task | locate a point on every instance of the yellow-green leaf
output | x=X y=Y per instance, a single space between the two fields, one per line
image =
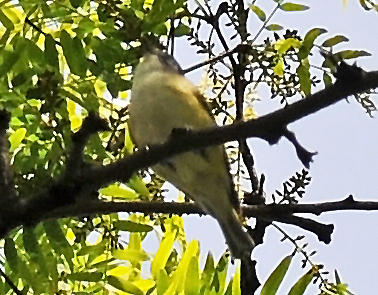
x=132 y=255
x=119 y=191
x=284 y=45
x=16 y=138
x=278 y=68
x=163 y=253
x=236 y=282
x=162 y=282
x=192 y=278
x=274 y=281
x=293 y=7
x=191 y=251
x=258 y=11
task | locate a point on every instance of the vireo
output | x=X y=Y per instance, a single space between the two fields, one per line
x=162 y=99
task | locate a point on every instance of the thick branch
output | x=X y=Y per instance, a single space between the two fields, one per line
x=270 y=127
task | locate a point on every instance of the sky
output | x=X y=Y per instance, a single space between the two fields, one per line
x=346 y=140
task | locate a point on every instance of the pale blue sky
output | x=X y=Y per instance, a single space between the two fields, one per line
x=347 y=142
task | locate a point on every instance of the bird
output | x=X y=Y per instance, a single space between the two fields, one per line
x=163 y=100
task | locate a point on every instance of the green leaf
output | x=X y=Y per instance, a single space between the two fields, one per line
x=10 y=253
x=192 y=278
x=293 y=7
x=182 y=30
x=301 y=285
x=76 y=3
x=348 y=54
x=16 y=138
x=163 y=253
x=137 y=184
x=208 y=271
x=119 y=191
x=58 y=240
x=85 y=276
x=92 y=250
x=258 y=11
x=7 y=23
x=124 y=285
x=334 y=40
x=9 y=59
x=308 y=42
x=303 y=72
x=51 y=54
x=274 y=281
x=130 y=226
x=274 y=27
x=32 y=248
x=74 y=54
x=327 y=79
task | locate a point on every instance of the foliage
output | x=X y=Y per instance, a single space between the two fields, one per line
x=61 y=60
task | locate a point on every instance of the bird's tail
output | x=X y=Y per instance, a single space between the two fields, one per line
x=239 y=241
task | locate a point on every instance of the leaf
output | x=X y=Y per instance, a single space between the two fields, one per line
x=301 y=285
x=278 y=68
x=258 y=11
x=163 y=253
x=76 y=3
x=130 y=226
x=182 y=30
x=51 y=53
x=32 y=248
x=74 y=54
x=334 y=40
x=180 y=274
x=192 y=278
x=236 y=282
x=283 y=45
x=7 y=23
x=120 y=191
x=308 y=42
x=58 y=240
x=124 y=285
x=327 y=79
x=10 y=253
x=274 y=281
x=137 y=183
x=16 y=138
x=303 y=72
x=348 y=54
x=293 y=7
x=274 y=27
x=162 y=282
x=85 y=276
x=132 y=255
